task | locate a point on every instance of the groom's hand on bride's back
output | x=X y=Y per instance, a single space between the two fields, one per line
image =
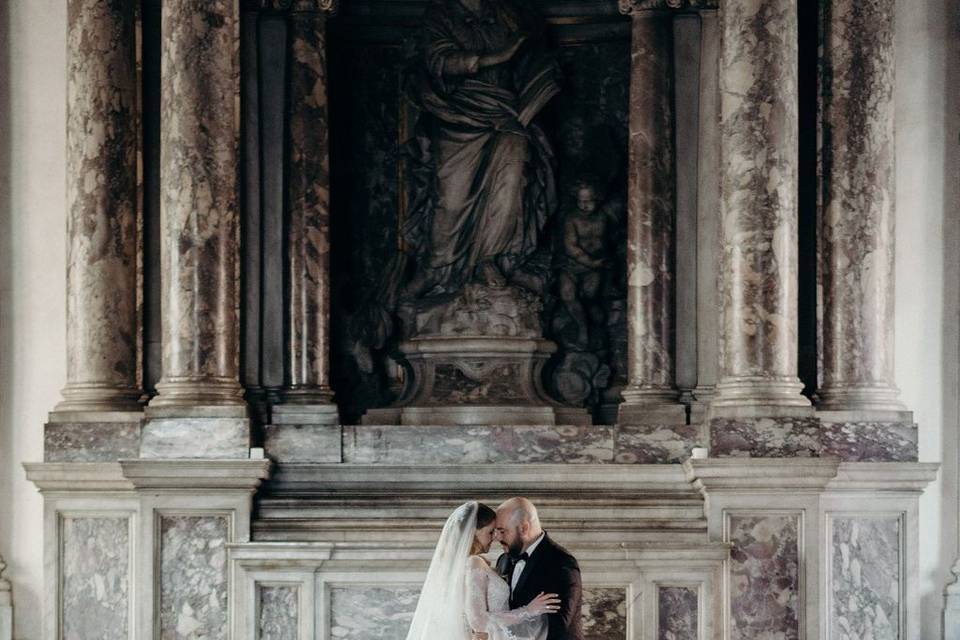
x=479 y=635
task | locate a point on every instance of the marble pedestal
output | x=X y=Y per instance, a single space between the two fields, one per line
x=216 y=432
x=476 y=380
x=951 y=607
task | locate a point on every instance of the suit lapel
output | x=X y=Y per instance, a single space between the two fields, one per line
x=531 y=564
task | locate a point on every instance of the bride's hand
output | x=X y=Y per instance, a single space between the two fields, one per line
x=544 y=603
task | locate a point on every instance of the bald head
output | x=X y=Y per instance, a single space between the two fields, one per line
x=518 y=524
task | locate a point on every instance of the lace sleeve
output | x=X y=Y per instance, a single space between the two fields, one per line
x=479 y=616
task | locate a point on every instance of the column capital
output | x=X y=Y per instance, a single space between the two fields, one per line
x=301 y=6
x=641 y=7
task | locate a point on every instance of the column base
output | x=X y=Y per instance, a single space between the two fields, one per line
x=857 y=398
x=203 y=391
x=651 y=405
x=174 y=432
x=99 y=397
x=759 y=397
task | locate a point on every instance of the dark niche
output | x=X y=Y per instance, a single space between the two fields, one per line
x=576 y=272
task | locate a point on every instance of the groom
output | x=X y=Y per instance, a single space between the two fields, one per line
x=533 y=563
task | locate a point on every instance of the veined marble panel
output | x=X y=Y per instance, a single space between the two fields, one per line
x=193 y=577
x=865 y=578
x=479 y=444
x=279 y=613
x=765 y=437
x=195 y=438
x=365 y=612
x=95 y=599
x=764 y=576
x=604 y=613
x=90 y=441
x=677 y=613
x=870 y=441
x=656 y=444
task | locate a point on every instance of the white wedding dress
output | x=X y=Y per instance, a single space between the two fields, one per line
x=488 y=607
x=462 y=593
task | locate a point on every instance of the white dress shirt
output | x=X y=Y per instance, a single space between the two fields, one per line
x=518 y=569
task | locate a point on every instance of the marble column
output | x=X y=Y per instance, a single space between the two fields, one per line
x=857 y=223
x=758 y=279
x=200 y=220
x=102 y=142
x=651 y=394
x=308 y=188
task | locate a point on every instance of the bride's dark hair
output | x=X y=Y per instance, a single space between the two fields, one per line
x=485 y=515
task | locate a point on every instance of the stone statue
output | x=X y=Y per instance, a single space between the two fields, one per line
x=488 y=188
x=580 y=272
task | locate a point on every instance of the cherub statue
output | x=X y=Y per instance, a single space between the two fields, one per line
x=581 y=268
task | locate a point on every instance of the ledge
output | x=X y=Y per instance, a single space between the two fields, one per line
x=909 y=477
x=761 y=475
x=76 y=477
x=196 y=474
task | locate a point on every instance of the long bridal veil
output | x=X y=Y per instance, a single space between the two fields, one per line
x=441 y=610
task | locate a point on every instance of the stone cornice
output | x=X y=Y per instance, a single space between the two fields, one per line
x=300 y=6
x=230 y=475
x=634 y=7
x=761 y=475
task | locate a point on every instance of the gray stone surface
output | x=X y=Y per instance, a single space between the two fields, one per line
x=302 y=442
x=279 y=613
x=195 y=438
x=95 y=563
x=366 y=612
x=193 y=577
x=90 y=441
x=865 y=578
x=477 y=444
x=678 y=613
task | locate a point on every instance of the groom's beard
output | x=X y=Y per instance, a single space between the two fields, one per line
x=515 y=548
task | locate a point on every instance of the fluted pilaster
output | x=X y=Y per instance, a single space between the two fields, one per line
x=102 y=142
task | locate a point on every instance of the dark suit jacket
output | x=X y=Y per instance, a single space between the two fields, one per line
x=551 y=569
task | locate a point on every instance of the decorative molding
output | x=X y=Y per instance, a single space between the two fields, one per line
x=634 y=7
x=243 y=475
x=908 y=477
x=76 y=477
x=761 y=475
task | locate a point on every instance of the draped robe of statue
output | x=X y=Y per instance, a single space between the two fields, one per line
x=492 y=181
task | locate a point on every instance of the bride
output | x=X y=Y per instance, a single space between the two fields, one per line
x=464 y=597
